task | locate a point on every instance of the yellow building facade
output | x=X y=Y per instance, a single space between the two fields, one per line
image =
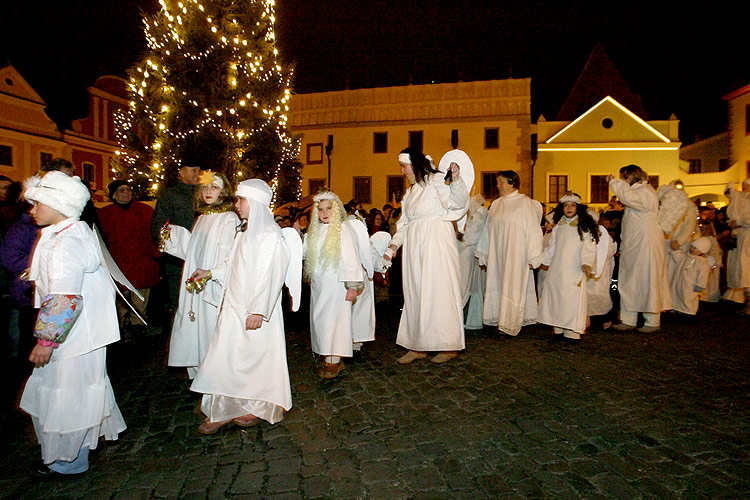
x=577 y=155
x=367 y=128
x=739 y=130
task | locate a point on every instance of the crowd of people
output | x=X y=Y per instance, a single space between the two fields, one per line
x=226 y=260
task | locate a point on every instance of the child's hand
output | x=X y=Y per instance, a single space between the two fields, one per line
x=351 y=295
x=543 y=267
x=40 y=355
x=200 y=274
x=609 y=178
x=253 y=322
x=586 y=270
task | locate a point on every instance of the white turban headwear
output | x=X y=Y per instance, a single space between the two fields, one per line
x=255 y=189
x=703 y=244
x=59 y=191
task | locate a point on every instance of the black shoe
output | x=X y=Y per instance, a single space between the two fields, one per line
x=41 y=471
x=570 y=341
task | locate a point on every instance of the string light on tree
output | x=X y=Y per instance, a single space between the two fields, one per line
x=211 y=86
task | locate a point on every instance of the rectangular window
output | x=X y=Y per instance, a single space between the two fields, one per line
x=88 y=172
x=396 y=188
x=695 y=167
x=491 y=138
x=599 y=189
x=723 y=164
x=315 y=185
x=315 y=153
x=558 y=184
x=416 y=139
x=654 y=181
x=454 y=138
x=380 y=142
x=44 y=159
x=747 y=119
x=6 y=155
x=363 y=190
x=489 y=185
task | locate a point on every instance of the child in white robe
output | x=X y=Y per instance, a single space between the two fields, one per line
x=204 y=247
x=69 y=395
x=334 y=268
x=473 y=277
x=690 y=278
x=570 y=258
x=598 y=290
x=244 y=376
x=714 y=257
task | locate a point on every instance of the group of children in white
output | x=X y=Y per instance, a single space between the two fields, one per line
x=229 y=330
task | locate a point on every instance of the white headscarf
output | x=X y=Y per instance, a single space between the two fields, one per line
x=59 y=191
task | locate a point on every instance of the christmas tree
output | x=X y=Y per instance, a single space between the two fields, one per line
x=211 y=91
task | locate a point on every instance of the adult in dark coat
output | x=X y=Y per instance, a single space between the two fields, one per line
x=126 y=229
x=176 y=206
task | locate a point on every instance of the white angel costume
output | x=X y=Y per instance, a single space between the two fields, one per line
x=678 y=219
x=245 y=371
x=363 y=309
x=642 y=279
x=334 y=267
x=510 y=244
x=473 y=277
x=432 y=318
x=205 y=247
x=70 y=399
x=714 y=257
x=598 y=288
x=690 y=278
x=564 y=298
x=738 y=258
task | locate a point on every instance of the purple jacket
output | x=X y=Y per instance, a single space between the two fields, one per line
x=15 y=252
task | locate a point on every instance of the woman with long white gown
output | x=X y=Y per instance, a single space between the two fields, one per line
x=738 y=258
x=511 y=248
x=642 y=280
x=203 y=247
x=432 y=318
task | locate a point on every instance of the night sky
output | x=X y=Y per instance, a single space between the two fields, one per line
x=680 y=61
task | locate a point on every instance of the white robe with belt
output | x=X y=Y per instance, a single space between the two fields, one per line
x=432 y=318
x=511 y=243
x=245 y=371
x=563 y=302
x=70 y=399
x=205 y=247
x=642 y=279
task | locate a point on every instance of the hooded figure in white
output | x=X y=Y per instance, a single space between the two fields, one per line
x=690 y=278
x=244 y=376
x=738 y=259
x=69 y=395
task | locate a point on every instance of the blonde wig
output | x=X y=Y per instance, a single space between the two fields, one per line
x=330 y=254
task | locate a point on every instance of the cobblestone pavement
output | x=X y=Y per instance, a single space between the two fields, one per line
x=623 y=416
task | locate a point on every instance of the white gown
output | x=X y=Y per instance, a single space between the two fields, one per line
x=205 y=247
x=642 y=279
x=363 y=309
x=598 y=290
x=245 y=371
x=432 y=318
x=512 y=242
x=473 y=278
x=70 y=399
x=713 y=293
x=564 y=297
x=738 y=259
x=330 y=312
x=690 y=271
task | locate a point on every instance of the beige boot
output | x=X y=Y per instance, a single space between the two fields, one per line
x=442 y=357
x=411 y=356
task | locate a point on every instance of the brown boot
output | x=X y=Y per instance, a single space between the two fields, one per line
x=330 y=370
x=208 y=427
x=248 y=420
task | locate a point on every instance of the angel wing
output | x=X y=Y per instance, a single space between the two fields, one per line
x=363 y=242
x=293 y=279
x=114 y=273
x=467 y=174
